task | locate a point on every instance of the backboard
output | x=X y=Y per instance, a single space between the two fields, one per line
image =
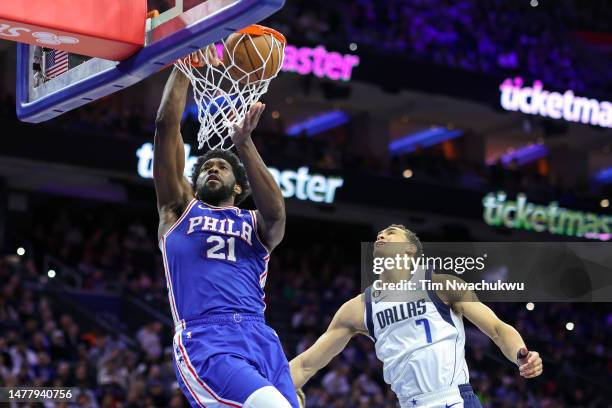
x=181 y=27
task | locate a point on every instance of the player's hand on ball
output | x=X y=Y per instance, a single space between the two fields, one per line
x=207 y=55
x=530 y=363
x=243 y=131
x=301 y=398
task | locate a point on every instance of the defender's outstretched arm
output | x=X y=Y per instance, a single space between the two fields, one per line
x=503 y=335
x=266 y=193
x=347 y=322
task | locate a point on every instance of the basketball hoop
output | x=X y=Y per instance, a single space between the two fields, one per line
x=252 y=57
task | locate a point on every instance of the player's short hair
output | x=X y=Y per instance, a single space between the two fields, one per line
x=237 y=168
x=412 y=238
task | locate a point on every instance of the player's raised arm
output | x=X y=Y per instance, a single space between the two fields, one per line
x=505 y=336
x=173 y=190
x=266 y=193
x=347 y=322
x=169 y=151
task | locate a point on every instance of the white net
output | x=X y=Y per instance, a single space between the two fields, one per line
x=224 y=91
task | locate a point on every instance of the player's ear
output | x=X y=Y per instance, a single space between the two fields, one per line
x=237 y=189
x=411 y=249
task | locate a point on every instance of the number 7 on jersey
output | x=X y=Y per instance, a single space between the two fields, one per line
x=425 y=323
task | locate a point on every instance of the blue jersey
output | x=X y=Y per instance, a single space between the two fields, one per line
x=214 y=262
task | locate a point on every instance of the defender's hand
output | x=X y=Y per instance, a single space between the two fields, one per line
x=529 y=362
x=243 y=132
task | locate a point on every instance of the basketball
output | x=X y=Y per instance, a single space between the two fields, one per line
x=253 y=55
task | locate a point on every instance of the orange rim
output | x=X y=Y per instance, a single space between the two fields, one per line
x=256 y=29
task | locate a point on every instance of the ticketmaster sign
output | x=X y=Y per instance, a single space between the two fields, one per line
x=500 y=211
x=299 y=184
x=535 y=100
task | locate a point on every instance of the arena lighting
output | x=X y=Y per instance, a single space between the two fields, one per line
x=524 y=155
x=51 y=273
x=299 y=183
x=605 y=203
x=569 y=326
x=20 y=251
x=318 y=124
x=530 y=306
x=424 y=138
x=604 y=176
x=534 y=100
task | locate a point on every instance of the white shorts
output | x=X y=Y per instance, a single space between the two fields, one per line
x=461 y=396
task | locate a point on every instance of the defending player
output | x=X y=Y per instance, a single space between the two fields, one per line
x=215 y=258
x=420 y=339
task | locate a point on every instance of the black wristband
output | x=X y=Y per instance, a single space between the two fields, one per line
x=519 y=357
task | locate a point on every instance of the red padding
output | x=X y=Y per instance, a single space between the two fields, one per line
x=109 y=29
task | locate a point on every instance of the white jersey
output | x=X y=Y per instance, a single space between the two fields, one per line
x=419 y=339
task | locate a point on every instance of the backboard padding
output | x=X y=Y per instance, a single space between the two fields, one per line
x=200 y=23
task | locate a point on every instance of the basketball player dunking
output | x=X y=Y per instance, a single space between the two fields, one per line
x=419 y=337
x=215 y=258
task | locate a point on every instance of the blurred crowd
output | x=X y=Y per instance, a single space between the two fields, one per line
x=336 y=151
x=493 y=37
x=432 y=167
x=107 y=117
x=44 y=344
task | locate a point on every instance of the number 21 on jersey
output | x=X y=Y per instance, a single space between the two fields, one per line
x=221 y=248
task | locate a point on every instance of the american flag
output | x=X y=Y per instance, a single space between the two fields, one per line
x=56 y=63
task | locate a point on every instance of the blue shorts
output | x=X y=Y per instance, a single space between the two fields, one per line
x=220 y=360
x=470 y=400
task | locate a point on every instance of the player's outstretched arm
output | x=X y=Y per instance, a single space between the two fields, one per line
x=169 y=151
x=347 y=322
x=266 y=193
x=505 y=336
